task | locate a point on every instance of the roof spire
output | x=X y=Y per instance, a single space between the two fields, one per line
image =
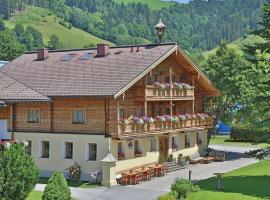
x=160 y=28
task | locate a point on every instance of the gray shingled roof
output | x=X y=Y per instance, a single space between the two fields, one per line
x=12 y=90
x=103 y=76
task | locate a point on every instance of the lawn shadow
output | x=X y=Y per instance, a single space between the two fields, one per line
x=229 y=140
x=256 y=186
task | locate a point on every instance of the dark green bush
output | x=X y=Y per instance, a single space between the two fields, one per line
x=18 y=172
x=170 y=158
x=250 y=134
x=181 y=188
x=57 y=188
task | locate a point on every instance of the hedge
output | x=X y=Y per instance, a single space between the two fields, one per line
x=250 y=134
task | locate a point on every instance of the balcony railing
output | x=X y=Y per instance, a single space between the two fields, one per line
x=154 y=92
x=118 y=129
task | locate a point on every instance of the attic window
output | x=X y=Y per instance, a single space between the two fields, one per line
x=118 y=52
x=86 y=56
x=68 y=56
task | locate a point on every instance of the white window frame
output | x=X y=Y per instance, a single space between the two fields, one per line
x=28 y=115
x=79 y=109
x=64 y=152
x=41 y=149
x=87 y=152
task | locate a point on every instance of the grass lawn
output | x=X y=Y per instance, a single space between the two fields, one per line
x=35 y=195
x=73 y=184
x=247 y=183
x=225 y=140
x=154 y=4
x=47 y=23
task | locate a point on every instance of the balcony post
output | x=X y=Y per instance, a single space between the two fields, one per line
x=193 y=107
x=145 y=107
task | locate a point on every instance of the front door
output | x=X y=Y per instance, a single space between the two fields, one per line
x=163 y=147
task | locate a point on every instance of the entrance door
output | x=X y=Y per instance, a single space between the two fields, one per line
x=163 y=147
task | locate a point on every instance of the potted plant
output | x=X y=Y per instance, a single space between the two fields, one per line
x=187 y=159
x=149 y=121
x=170 y=158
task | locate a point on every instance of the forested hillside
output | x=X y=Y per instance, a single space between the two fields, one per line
x=198 y=25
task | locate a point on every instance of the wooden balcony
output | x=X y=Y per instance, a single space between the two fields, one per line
x=154 y=93
x=120 y=131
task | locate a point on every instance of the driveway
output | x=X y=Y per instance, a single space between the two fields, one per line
x=152 y=189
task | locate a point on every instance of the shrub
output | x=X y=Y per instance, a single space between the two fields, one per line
x=18 y=173
x=181 y=188
x=57 y=188
x=170 y=158
x=168 y=196
x=250 y=134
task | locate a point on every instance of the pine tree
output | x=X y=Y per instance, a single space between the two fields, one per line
x=264 y=33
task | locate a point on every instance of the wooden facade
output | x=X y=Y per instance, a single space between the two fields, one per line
x=103 y=114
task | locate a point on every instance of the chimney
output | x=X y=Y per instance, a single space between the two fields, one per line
x=42 y=54
x=102 y=50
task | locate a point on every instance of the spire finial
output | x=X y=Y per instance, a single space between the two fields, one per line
x=160 y=28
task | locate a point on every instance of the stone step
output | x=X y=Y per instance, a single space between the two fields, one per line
x=171 y=166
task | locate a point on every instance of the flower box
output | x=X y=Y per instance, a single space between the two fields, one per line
x=187 y=145
x=138 y=154
x=121 y=156
x=174 y=147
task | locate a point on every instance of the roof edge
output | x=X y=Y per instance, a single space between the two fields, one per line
x=152 y=66
x=111 y=47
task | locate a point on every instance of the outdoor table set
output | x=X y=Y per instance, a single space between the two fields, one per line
x=144 y=173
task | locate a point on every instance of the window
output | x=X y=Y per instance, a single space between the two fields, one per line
x=92 y=151
x=153 y=144
x=68 y=150
x=137 y=148
x=167 y=79
x=121 y=154
x=157 y=111
x=33 y=116
x=174 y=143
x=198 y=139
x=173 y=79
x=45 y=149
x=182 y=110
x=187 y=141
x=78 y=116
x=138 y=112
x=168 y=111
x=182 y=78
x=28 y=147
x=122 y=113
x=152 y=79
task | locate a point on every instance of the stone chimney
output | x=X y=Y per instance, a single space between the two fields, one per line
x=42 y=54
x=102 y=50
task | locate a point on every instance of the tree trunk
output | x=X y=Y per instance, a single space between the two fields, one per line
x=211 y=130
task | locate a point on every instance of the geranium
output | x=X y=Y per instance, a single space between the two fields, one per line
x=138 y=120
x=176 y=120
x=188 y=116
x=121 y=154
x=125 y=122
x=160 y=85
x=168 y=85
x=161 y=118
x=148 y=120
x=182 y=117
